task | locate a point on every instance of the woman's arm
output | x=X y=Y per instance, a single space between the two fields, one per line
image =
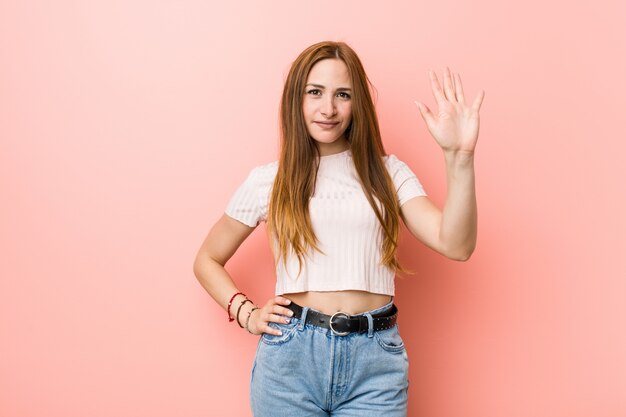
x=455 y=128
x=451 y=233
x=223 y=240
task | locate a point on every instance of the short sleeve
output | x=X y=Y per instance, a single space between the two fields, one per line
x=406 y=182
x=245 y=204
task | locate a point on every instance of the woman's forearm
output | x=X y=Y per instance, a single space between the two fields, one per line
x=459 y=217
x=221 y=287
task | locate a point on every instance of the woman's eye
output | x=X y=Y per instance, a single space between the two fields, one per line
x=317 y=92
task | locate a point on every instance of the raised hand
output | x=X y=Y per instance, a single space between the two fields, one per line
x=455 y=126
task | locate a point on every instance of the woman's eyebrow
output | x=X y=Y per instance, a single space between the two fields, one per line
x=322 y=87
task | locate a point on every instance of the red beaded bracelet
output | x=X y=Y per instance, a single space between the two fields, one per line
x=229 y=304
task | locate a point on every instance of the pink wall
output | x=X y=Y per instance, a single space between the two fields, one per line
x=123 y=127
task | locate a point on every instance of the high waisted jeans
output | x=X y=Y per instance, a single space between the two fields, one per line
x=311 y=371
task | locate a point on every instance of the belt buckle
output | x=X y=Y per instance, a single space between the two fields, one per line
x=330 y=323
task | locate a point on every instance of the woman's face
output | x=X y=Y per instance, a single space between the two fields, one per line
x=327 y=105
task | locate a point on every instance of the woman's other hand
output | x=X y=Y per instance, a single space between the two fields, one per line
x=274 y=311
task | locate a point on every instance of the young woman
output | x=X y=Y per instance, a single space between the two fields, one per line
x=330 y=341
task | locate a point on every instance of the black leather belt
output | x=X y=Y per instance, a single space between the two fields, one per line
x=342 y=324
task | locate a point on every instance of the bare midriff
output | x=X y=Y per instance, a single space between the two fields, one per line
x=349 y=301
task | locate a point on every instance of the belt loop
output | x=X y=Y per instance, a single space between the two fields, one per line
x=305 y=310
x=370 y=324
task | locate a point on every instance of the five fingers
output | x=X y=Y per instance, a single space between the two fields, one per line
x=452 y=89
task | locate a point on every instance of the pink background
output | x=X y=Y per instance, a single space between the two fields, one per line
x=125 y=127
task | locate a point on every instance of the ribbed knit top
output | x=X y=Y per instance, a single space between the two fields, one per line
x=345 y=224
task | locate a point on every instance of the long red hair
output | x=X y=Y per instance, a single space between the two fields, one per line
x=288 y=213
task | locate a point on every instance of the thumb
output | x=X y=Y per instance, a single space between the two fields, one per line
x=424 y=111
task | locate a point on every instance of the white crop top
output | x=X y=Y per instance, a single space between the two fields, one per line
x=348 y=231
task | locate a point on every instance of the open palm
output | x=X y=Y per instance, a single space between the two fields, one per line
x=455 y=126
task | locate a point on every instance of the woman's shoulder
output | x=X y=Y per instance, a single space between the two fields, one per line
x=398 y=169
x=392 y=161
x=390 y=157
x=264 y=173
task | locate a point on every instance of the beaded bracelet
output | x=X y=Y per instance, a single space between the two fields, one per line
x=239 y=309
x=248 y=319
x=230 y=302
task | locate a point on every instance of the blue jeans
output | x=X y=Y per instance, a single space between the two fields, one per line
x=311 y=371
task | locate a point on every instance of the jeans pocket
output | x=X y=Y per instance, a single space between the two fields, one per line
x=390 y=339
x=288 y=330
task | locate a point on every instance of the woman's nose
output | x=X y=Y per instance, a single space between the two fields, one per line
x=328 y=107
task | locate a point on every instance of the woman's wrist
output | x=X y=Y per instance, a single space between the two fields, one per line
x=244 y=312
x=247 y=323
x=458 y=155
x=234 y=301
x=238 y=314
